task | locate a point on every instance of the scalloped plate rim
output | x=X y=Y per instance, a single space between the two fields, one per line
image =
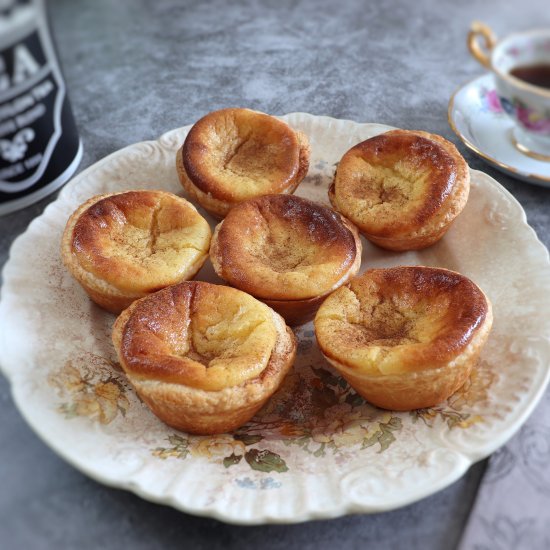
x=459 y=468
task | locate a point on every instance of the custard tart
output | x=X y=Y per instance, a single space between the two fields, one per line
x=203 y=357
x=403 y=189
x=233 y=155
x=123 y=246
x=287 y=251
x=405 y=337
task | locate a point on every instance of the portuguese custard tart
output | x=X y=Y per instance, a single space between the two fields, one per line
x=407 y=337
x=287 y=251
x=402 y=189
x=203 y=357
x=123 y=246
x=233 y=155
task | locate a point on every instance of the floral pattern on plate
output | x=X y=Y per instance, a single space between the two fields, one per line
x=316 y=450
x=314 y=410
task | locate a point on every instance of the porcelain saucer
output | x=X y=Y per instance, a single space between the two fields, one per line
x=478 y=119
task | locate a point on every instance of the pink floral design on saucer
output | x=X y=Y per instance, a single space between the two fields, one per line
x=532 y=120
x=529 y=118
x=491 y=102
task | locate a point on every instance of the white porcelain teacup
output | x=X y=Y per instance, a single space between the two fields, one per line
x=526 y=103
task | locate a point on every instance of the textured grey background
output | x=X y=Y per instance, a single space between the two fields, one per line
x=136 y=69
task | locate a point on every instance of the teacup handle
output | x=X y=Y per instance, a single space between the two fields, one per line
x=479 y=31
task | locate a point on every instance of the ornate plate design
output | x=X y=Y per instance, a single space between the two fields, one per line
x=317 y=450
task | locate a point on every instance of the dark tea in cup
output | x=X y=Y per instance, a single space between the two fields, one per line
x=538 y=75
x=521 y=67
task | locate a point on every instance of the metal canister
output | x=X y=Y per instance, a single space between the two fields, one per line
x=39 y=144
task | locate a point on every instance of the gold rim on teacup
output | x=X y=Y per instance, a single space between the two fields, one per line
x=479 y=32
x=527 y=104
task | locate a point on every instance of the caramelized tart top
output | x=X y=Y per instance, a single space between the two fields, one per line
x=402 y=319
x=235 y=154
x=284 y=247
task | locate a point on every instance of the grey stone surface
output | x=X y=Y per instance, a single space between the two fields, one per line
x=136 y=69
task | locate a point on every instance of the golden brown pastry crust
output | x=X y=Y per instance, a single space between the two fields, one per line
x=287 y=251
x=405 y=337
x=299 y=312
x=403 y=188
x=203 y=357
x=123 y=246
x=232 y=155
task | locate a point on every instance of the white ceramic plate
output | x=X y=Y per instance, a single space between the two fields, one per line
x=316 y=450
x=477 y=117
